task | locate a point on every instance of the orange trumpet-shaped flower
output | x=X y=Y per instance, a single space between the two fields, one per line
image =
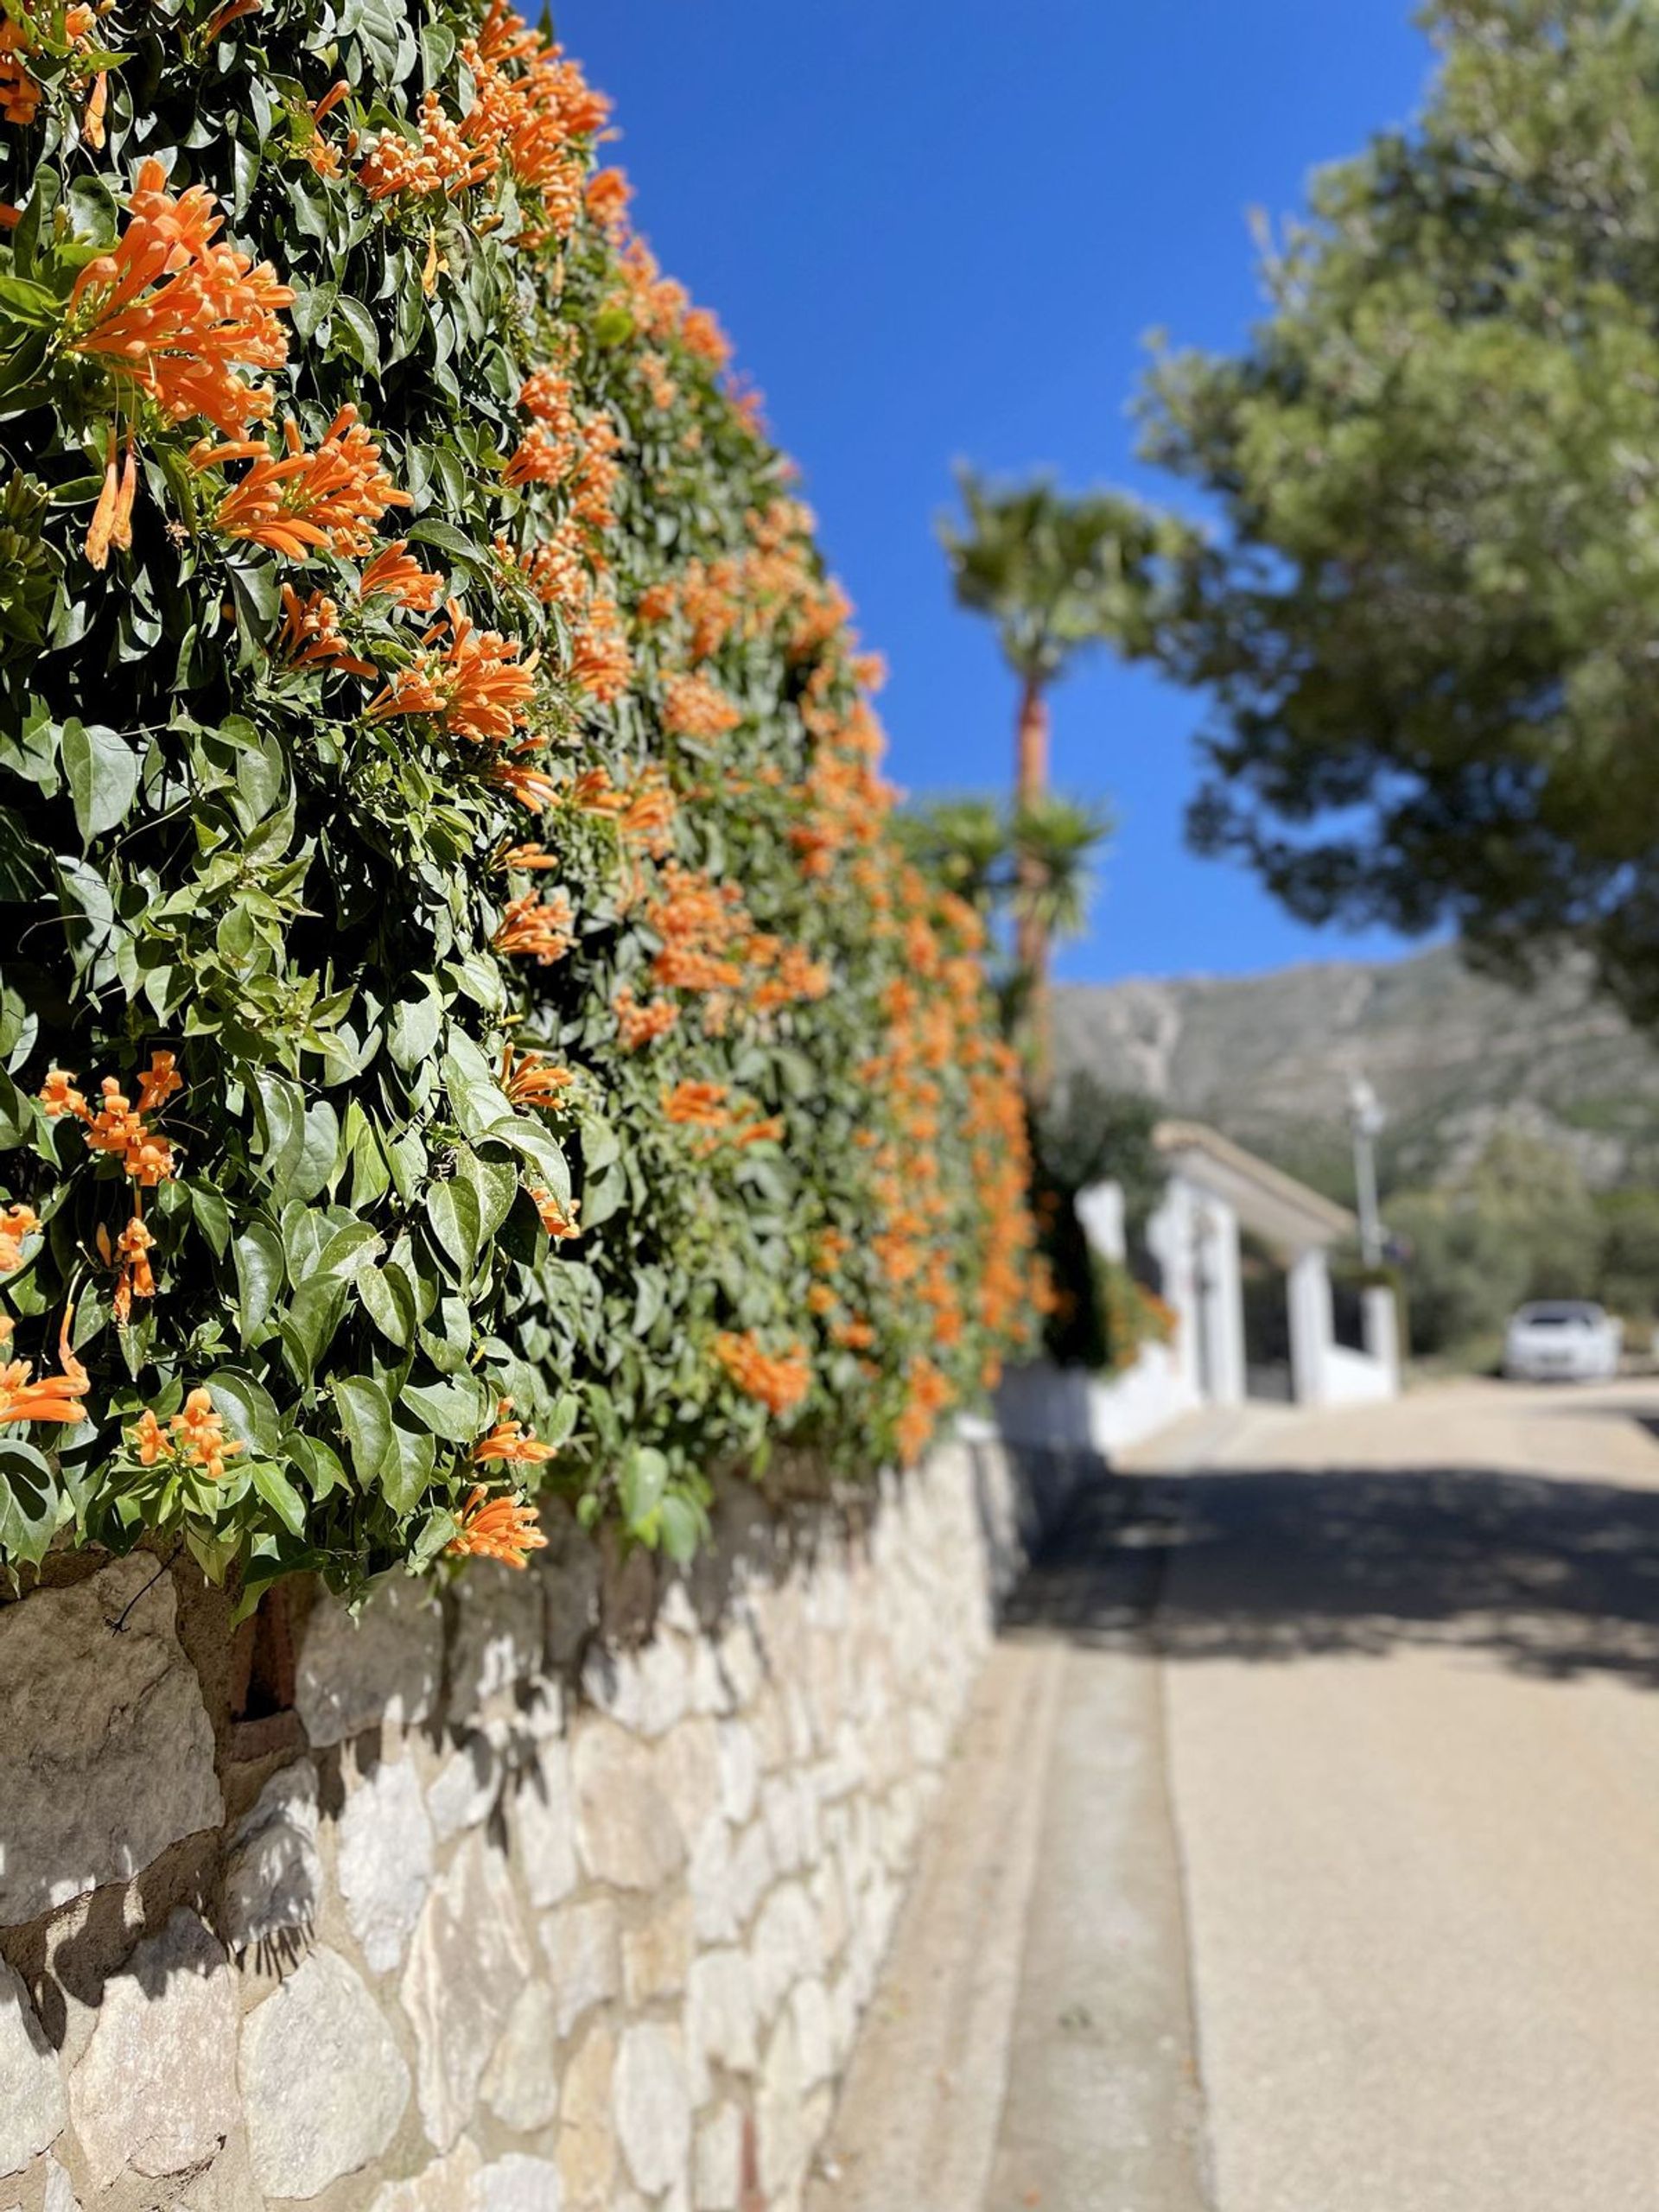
x=158 y=1082
x=697 y=1105
x=477 y=687
x=693 y=707
x=637 y=1025
x=310 y=635
x=299 y=501
x=119 y=1128
x=439 y=159
x=496 y=1527
x=533 y=788
x=395 y=572
x=102 y=529
x=607 y=196
x=528 y=857
x=232 y=11
x=528 y=1081
x=559 y=1222
x=779 y=1381
x=536 y=928
x=53 y=1397
x=59 y=1096
x=511 y=1441
x=178 y=314
x=16 y=1222
x=196 y=1435
x=129 y=1254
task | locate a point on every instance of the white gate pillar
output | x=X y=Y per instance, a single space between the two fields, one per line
x=1308 y=1291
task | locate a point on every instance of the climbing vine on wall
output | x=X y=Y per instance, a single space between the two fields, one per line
x=466 y=1029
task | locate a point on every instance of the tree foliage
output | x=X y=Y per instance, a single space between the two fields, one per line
x=453 y=947
x=1428 y=618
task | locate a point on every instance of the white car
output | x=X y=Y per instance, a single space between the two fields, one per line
x=1562 y=1339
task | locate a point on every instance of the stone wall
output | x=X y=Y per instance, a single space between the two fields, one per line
x=563 y=1891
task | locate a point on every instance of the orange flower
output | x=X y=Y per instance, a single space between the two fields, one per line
x=200 y=1435
x=196 y=1435
x=700 y=1105
x=148 y=1440
x=701 y=333
x=528 y=856
x=232 y=11
x=476 y=686
x=693 y=707
x=158 y=1082
x=600 y=664
x=607 y=197
x=16 y=1222
x=533 y=788
x=496 y=1527
x=296 y=502
x=558 y=1220
x=310 y=635
x=698 y=924
x=438 y=158
x=59 y=1096
x=528 y=1081
x=53 y=1397
x=129 y=1254
x=511 y=1441
x=541 y=929
x=637 y=1024
x=779 y=1381
x=770 y=1131
x=395 y=574
x=119 y=1128
x=178 y=315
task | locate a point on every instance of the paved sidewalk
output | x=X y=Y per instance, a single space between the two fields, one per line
x=1307 y=1857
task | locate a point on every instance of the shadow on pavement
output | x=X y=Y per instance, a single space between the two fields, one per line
x=1555 y=1579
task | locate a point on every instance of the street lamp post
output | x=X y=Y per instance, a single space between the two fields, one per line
x=1366 y=1118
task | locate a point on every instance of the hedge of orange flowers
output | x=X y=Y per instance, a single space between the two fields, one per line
x=467 y=1029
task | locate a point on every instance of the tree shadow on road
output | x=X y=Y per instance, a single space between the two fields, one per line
x=1555 y=1579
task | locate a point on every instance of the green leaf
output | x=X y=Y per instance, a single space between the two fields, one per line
x=413 y=1025
x=451 y=1210
x=211 y=1215
x=366 y=1416
x=30 y=1505
x=644 y=1480
x=249 y=1410
x=456 y=1411
x=409 y=1468
x=280 y=1494
x=389 y=1300
x=102 y=771
x=28 y=303
x=355 y=334
x=493 y=1183
x=258 y=1253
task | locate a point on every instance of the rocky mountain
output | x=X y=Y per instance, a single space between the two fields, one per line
x=1269 y=1058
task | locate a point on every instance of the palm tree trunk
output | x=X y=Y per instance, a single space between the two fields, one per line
x=1031 y=938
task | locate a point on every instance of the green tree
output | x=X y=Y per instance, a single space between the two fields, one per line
x=1024 y=868
x=1056 y=575
x=1427 y=617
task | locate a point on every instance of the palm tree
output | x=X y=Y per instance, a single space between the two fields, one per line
x=1030 y=863
x=1056 y=575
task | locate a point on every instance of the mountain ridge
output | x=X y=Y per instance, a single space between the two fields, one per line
x=1453 y=1056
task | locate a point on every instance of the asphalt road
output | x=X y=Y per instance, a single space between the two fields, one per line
x=1410 y=1662
x=1338 y=1885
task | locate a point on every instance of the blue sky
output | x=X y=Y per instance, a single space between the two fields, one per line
x=939 y=228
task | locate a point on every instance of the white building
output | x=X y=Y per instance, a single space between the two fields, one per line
x=1215 y=1193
